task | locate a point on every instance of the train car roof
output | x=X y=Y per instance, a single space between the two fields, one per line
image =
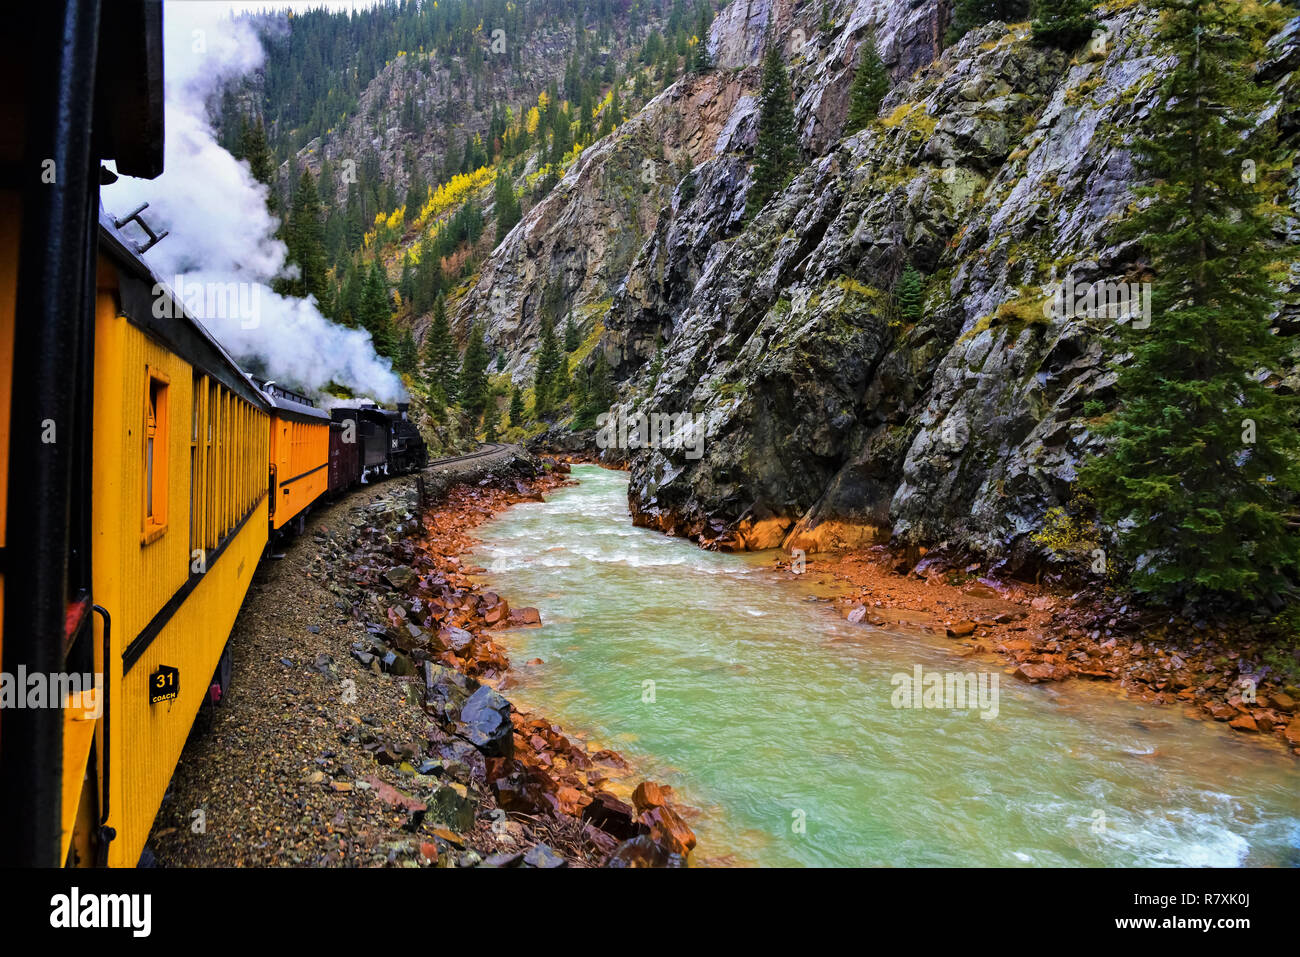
x=291 y=409
x=144 y=296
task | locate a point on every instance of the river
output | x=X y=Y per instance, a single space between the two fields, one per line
x=782 y=723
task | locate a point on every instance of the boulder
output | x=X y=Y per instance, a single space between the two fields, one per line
x=485 y=723
x=610 y=815
x=642 y=851
x=399 y=576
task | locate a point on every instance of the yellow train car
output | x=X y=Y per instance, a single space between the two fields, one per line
x=84 y=85
x=299 y=455
x=179 y=517
x=142 y=472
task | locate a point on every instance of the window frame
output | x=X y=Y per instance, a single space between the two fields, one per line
x=155 y=462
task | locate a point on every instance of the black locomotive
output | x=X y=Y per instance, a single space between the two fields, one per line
x=367 y=442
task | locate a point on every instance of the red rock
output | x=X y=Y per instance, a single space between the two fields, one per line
x=1220 y=710
x=529 y=616
x=669 y=830
x=1292 y=734
x=390 y=795
x=1037 y=671
x=1243 y=723
x=648 y=795
x=612 y=758
x=961 y=629
x=1282 y=701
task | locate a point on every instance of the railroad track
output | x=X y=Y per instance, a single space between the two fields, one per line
x=490 y=449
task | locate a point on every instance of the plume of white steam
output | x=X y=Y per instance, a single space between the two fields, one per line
x=221 y=232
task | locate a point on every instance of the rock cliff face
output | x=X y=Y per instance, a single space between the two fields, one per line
x=453 y=106
x=589 y=228
x=996 y=169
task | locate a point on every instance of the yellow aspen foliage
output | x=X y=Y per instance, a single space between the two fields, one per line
x=455 y=191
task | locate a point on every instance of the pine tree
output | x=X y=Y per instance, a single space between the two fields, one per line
x=507 y=205
x=304 y=238
x=561 y=383
x=516 y=408
x=404 y=354
x=969 y=14
x=777 y=148
x=253 y=149
x=1202 y=456
x=870 y=84
x=599 y=393
x=376 y=310
x=549 y=359
x=406 y=284
x=490 y=415
x=700 y=61
x=473 y=374
x=1064 y=23
x=440 y=358
x=416 y=194
x=572 y=337
x=909 y=295
x=428 y=276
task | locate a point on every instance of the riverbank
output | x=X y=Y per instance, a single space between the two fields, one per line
x=1213 y=669
x=363 y=728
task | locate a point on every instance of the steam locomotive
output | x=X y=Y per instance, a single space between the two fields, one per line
x=368 y=442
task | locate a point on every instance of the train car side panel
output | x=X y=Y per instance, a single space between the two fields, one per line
x=170 y=445
x=345 y=456
x=300 y=454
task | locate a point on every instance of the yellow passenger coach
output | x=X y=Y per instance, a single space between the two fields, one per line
x=142 y=472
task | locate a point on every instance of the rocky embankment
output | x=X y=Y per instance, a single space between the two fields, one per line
x=364 y=728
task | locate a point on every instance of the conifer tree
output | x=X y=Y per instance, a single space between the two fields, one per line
x=304 y=237
x=549 y=359
x=700 y=61
x=376 y=310
x=870 y=84
x=598 y=394
x=404 y=353
x=473 y=374
x=909 y=294
x=1201 y=466
x=253 y=148
x=572 y=337
x=440 y=356
x=406 y=284
x=969 y=14
x=777 y=148
x=428 y=275
x=516 y=408
x=507 y=205
x=1064 y=23
x=416 y=194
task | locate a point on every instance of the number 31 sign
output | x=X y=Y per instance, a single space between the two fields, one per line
x=164 y=684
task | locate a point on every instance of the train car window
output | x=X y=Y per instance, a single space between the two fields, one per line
x=155 y=456
x=196 y=461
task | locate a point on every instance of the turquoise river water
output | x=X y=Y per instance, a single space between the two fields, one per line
x=775 y=719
